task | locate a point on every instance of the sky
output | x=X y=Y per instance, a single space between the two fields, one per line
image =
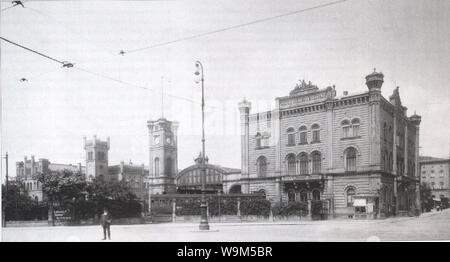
x=48 y=115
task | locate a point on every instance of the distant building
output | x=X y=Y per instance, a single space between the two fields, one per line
x=135 y=175
x=435 y=172
x=357 y=152
x=96 y=158
x=97 y=166
x=27 y=171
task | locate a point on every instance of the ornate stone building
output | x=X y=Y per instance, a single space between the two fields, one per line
x=163 y=162
x=358 y=152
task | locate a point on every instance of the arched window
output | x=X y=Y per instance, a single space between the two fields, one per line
x=349 y=196
x=316 y=162
x=261 y=166
x=303 y=158
x=355 y=127
x=315 y=133
x=291 y=196
x=156 y=167
x=303 y=135
x=291 y=136
x=350 y=159
x=316 y=194
x=258 y=140
x=384 y=132
x=303 y=196
x=345 y=128
x=290 y=159
x=169 y=167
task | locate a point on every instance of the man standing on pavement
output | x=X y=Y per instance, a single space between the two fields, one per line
x=105 y=221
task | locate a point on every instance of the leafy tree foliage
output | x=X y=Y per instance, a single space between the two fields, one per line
x=19 y=206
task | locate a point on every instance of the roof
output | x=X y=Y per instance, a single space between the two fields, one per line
x=429 y=159
x=220 y=169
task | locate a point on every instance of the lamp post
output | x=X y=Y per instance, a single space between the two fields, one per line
x=204 y=218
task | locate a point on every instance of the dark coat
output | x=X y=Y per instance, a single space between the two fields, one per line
x=105 y=220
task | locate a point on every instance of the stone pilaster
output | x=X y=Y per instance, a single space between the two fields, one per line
x=244 y=109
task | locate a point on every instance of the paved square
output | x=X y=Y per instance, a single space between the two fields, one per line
x=430 y=226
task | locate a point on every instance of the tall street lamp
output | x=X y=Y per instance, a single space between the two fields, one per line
x=204 y=218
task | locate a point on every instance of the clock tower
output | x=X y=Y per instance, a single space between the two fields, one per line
x=163 y=162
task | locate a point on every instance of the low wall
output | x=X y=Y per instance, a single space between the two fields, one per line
x=237 y=219
x=33 y=223
x=83 y=222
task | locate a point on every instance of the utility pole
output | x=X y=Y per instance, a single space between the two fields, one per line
x=6 y=193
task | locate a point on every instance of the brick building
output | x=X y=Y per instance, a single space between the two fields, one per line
x=436 y=173
x=27 y=171
x=357 y=152
x=97 y=166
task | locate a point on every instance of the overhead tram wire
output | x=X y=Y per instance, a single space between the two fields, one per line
x=16 y=3
x=69 y=65
x=236 y=26
x=64 y=63
x=131 y=84
x=138 y=86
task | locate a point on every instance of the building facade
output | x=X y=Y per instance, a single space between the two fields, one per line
x=135 y=175
x=358 y=152
x=28 y=170
x=163 y=156
x=96 y=158
x=435 y=172
x=189 y=180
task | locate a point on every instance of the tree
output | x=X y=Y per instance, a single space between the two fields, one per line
x=115 y=196
x=426 y=199
x=21 y=206
x=62 y=187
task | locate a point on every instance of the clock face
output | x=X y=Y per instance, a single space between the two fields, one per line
x=156 y=140
x=168 y=140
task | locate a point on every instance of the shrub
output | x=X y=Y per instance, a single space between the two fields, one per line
x=290 y=209
x=227 y=206
x=255 y=207
x=188 y=207
x=161 y=210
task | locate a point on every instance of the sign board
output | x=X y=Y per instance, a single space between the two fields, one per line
x=360 y=202
x=62 y=215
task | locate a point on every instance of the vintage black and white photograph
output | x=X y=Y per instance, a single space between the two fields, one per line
x=225 y=121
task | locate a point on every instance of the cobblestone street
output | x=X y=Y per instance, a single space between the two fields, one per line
x=429 y=226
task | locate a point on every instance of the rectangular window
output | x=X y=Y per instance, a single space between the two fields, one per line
x=316 y=136
x=291 y=139
x=355 y=130
x=258 y=142
x=346 y=131
x=303 y=138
